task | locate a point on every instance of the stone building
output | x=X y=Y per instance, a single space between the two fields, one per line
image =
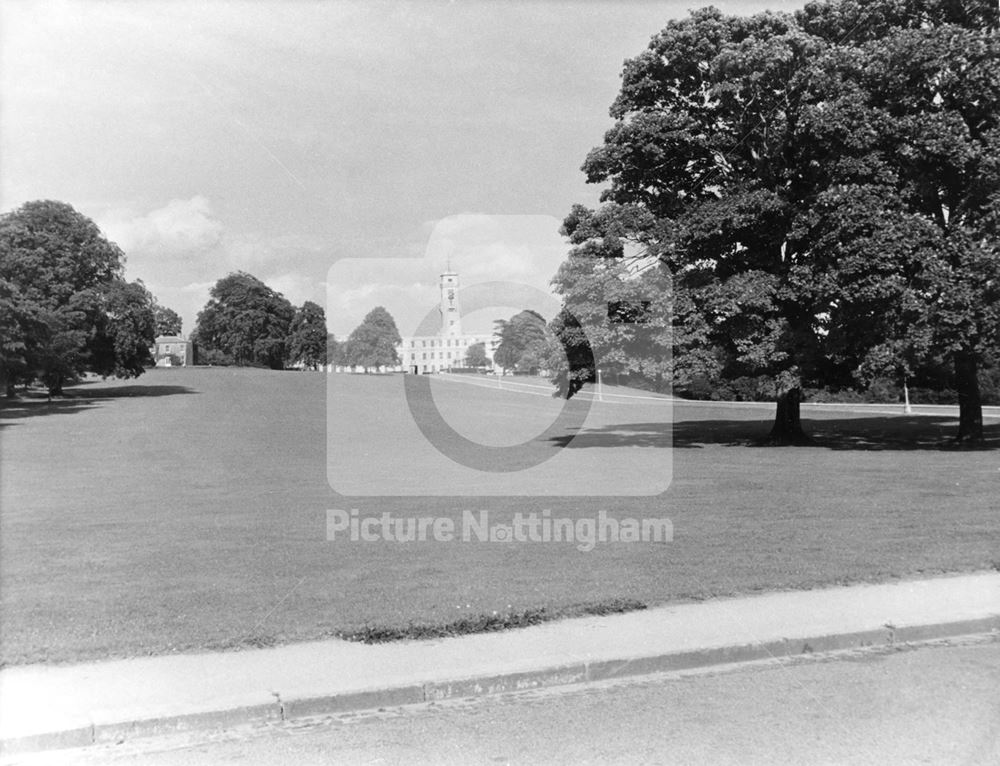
x=449 y=347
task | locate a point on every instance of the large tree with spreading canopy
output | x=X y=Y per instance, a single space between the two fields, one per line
x=246 y=322
x=65 y=307
x=820 y=189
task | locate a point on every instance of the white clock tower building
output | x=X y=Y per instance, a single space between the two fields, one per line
x=451 y=321
x=448 y=349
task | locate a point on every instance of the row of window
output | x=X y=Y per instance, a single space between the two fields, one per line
x=440 y=355
x=442 y=342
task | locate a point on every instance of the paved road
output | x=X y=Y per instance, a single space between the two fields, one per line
x=936 y=704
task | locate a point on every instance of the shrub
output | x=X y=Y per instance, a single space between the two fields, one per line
x=211 y=356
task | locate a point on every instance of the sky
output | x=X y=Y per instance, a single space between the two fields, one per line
x=342 y=152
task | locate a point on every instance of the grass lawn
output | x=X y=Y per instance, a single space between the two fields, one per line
x=187 y=510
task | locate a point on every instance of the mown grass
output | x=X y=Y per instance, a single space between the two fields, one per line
x=187 y=511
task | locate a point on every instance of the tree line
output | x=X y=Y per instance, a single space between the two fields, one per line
x=67 y=310
x=247 y=323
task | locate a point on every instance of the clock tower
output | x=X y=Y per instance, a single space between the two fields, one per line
x=451 y=322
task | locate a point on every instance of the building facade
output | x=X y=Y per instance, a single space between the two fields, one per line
x=449 y=348
x=173 y=351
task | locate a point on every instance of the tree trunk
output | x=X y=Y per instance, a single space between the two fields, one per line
x=970 y=405
x=787 y=428
x=55 y=386
x=7 y=381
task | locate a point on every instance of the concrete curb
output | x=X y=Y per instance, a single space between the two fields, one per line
x=409 y=694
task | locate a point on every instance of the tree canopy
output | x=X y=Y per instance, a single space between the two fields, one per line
x=65 y=308
x=373 y=343
x=525 y=343
x=307 y=340
x=819 y=188
x=168 y=321
x=475 y=355
x=246 y=322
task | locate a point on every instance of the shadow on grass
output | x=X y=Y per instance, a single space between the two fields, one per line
x=36 y=403
x=866 y=433
x=116 y=392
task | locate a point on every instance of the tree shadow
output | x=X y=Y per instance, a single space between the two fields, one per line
x=117 y=392
x=35 y=403
x=890 y=432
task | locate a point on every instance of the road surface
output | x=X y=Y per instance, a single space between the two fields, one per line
x=938 y=703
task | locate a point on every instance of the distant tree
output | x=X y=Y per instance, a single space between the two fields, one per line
x=524 y=341
x=168 y=321
x=212 y=357
x=505 y=354
x=246 y=321
x=307 y=339
x=64 y=307
x=334 y=350
x=475 y=355
x=595 y=323
x=373 y=343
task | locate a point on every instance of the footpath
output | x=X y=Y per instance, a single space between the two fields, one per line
x=49 y=707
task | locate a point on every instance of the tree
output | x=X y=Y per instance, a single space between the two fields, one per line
x=373 y=343
x=168 y=321
x=524 y=341
x=307 y=339
x=126 y=328
x=475 y=355
x=698 y=162
x=610 y=317
x=18 y=321
x=911 y=111
x=738 y=140
x=334 y=350
x=65 y=308
x=246 y=321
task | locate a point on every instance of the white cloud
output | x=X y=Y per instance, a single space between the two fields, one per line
x=297 y=287
x=180 y=230
x=408 y=303
x=183 y=247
